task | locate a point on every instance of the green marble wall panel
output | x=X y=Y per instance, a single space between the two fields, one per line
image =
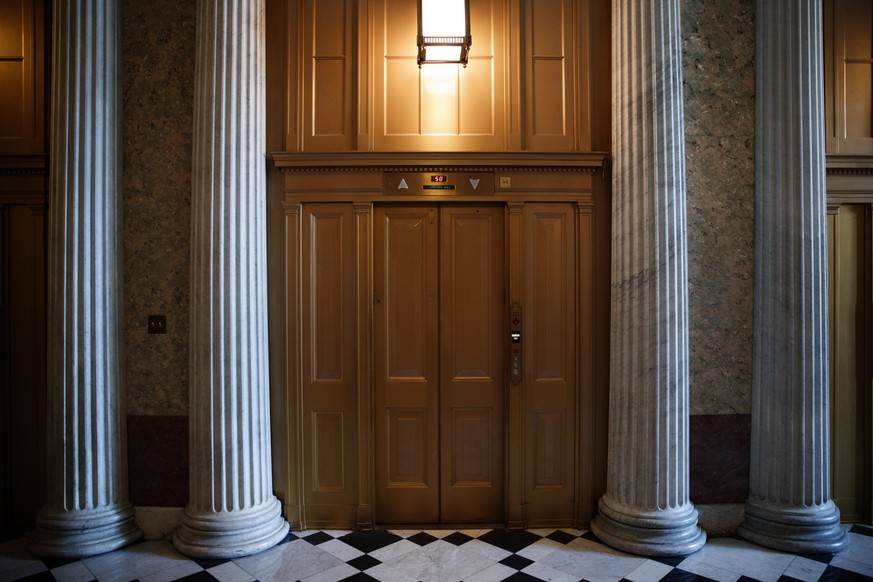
x=158 y=94
x=719 y=85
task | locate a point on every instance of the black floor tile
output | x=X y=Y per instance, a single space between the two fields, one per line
x=561 y=537
x=669 y=560
x=522 y=577
x=360 y=577
x=863 y=530
x=363 y=562
x=457 y=538
x=422 y=538
x=318 y=537
x=198 y=577
x=510 y=540
x=832 y=574
x=207 y=563
x=517 y=562
x=677 y=575
x=370 y=541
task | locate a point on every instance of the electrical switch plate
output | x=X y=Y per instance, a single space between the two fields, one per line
x=157 y=324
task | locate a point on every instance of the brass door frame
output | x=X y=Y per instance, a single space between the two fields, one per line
x=329 y=180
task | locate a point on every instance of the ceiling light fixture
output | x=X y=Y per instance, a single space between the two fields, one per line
x=443 y=31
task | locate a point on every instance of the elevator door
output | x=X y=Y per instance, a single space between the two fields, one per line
x=439 y=348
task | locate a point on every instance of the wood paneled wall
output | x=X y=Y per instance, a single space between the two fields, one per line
x=23 y=198
x=848 y=38
x=353 y=82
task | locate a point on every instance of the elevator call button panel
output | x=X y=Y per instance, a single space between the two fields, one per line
x=438 y=183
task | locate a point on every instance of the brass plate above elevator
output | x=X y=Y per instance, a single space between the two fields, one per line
x=438 y=317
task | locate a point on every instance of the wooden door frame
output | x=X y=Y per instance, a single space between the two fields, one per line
x=357 y=179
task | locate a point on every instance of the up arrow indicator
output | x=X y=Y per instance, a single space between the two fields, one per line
x=403 y=185
x=474 y=182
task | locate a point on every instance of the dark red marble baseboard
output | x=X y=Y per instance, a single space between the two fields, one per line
x=719 y=457
x=157 y=459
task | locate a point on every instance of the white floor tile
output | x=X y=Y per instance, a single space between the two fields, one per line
x=440 y=560
x=742 y=558
x=385 y=573
x=805 y=569
x=16 y=562
x=493 y=573
x=710 y=571
x=136 y=561
x=74 y=572
x=334 y=574
x=487 y=550
x=341 y=550
x=650 y=571
x=539 y=549
x=591 y=561
x=295 y=560
x=230 y=572
x=174 y=573
x=395 y=550
x=544 y=572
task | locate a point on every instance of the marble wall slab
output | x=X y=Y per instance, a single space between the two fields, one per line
x=158 y=94
x=719 y=85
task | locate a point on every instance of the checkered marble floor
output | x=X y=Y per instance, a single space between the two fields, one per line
x=448 y=556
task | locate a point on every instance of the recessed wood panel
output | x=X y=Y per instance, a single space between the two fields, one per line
x=329 y=267
x=446 y=107
x=550 y=287
x=328 y=63
x=328 y=358
x=472 y=448
x=327 y=445
x=407 y=448
x=408 y=295
x=405 y=328
x=22 y=57
x=848 y=39
x=549 y=67
x=550 y=441
x=549 y=360
x=472 y=312
x=471 y=329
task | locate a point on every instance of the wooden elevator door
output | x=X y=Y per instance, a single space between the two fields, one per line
x=439 y=347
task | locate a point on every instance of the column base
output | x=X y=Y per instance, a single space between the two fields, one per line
x=667 y=532
x=796 y=529
x=79 y=533
x=230 y=534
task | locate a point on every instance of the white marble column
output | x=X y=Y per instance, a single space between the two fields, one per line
x=646 y=509
x=232 y=510
x=789 y=506
x=87 y=510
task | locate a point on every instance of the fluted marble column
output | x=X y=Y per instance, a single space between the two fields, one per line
x=232 y=510
x=789 y=506
x=646 y=509
x=87 y=511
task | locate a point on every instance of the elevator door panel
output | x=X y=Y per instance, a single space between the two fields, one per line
x=438 y=326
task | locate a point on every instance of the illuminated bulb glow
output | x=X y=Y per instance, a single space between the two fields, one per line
x=442 y=18
x=444 y=31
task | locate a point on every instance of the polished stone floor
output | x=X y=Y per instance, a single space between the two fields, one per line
x=448 y=556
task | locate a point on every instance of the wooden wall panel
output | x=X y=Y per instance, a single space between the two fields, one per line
x=22 y=71
x=328 y=68
x=329 y=391
x=549 y=70
x=405 y=330
x=849 y=76
x=439 y=107
x=549 y=363
x=850 y=274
